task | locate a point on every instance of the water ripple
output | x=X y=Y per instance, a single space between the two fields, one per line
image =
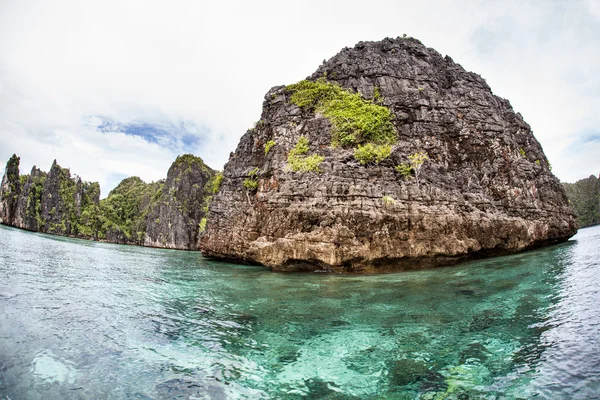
x=91 y=320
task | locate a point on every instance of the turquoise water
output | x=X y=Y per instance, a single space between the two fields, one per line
x=85 y=320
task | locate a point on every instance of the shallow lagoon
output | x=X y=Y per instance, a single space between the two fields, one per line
x=88 y=320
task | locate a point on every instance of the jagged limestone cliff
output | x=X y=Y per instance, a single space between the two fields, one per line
x=389 y=156
x=167 y=213
x=52 y=202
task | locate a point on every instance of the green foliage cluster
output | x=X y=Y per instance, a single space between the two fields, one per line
x=87 y=223
x=416 y=162
x=190 y=162
x=306 y=163
x=251 y=183
x=372 y=153
x=388 y=201
x=302 y=147
x=403 y=169
x=300 y=161
x=34 y=199
x=210 y=190
x=66 y=202
x=584 y=196
x=522 y=153
x=377 y=98
x=355 y=120
x=269 y=145
x=202 y=225
x=212 y=186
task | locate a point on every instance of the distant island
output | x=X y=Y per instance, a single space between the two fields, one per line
x=388 y=157
x=169 y=213
x=584 y=196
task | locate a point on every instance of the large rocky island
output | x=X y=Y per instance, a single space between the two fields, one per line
x=388 y=157
x=169 y=213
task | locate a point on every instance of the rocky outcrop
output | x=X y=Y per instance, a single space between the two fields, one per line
x=388 y=157
x=174 y=221
x=584 y=195
x=10 y=192
x=64 y=198
x=30 y=202
x=168 y=213
x=51 y=203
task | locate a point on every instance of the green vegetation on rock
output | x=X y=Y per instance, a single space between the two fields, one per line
x=388 y=201
x=251 y=183
x=415 y=164
x=190 y=161
x=522 y=153
x=213 y=185
x=404 y=169
x=269 y=145
x=355 y=120
x=126 y=207
x=372 y=153
x=301 y=148
x=202 y=225
x=300 y=161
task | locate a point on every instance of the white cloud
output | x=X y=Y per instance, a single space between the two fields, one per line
x=208 y=65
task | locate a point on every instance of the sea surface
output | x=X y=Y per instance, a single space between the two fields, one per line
x=86 y=320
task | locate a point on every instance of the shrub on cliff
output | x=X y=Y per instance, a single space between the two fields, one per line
x=299 y=161
x=370 y=153
x=404 y=169
x=251 y=183
x=268 y=146
x=355 y=120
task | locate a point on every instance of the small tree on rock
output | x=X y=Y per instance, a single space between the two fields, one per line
x=416 y=162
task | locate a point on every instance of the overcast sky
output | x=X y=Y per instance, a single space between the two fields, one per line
x=119 y=88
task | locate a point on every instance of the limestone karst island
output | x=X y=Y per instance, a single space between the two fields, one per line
x=313 y=259
x=388 y=157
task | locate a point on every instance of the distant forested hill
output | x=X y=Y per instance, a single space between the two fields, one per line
x=584 y=196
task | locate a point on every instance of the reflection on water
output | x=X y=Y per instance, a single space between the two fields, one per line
x=90 y=320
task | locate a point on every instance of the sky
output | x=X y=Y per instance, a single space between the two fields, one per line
x=119 y=88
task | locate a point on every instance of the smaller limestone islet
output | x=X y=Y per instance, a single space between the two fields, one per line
x=166 y=214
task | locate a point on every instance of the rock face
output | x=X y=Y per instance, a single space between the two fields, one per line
x=584 y=195
x=166 y=213
x=10 y=192
x=51 y=203
x=484 y=189
x=174 y=220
